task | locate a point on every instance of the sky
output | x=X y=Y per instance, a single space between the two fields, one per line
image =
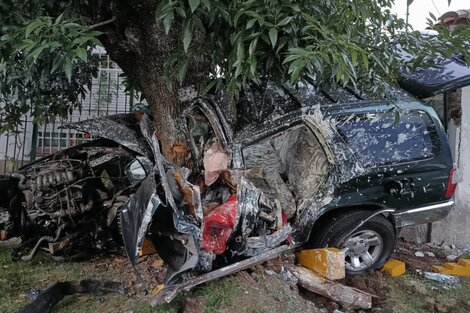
x=419 y=10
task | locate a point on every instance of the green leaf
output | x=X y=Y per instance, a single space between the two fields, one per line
x=36 y=52
x=240 y=50
x=180 y=11
x=273 y=36
x=253 y=64
x=81 y=54
x=284 y=22
x=167 y=22
x=182 y=71
x=6 y=37
x=194 y=4
x=59 y=19
x=209 y=87
x=162 y=10
x=250 y=23
x=297 y=69
x=237 y=16
x=26 y=43
x=68 y=68
x=354 y=57
x=187 y=34
x=365 y=61
x=31 y=27
x=252 y=47
x=290 y=58
x=58 y=60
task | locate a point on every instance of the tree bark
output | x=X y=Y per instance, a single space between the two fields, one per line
x=167 y=110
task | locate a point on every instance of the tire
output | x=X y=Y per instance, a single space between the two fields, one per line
x=369 y=247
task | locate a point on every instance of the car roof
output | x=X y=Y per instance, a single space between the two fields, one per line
x=289 y=105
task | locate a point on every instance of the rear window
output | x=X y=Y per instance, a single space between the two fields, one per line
x=381 y=138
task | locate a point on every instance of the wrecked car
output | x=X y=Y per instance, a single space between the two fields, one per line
x=287 y=167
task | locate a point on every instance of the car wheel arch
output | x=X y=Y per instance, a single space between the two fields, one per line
x=317 y=225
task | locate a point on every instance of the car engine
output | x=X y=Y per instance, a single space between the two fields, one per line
x=72 y=197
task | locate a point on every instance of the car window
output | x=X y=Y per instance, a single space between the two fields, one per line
x=379 y=138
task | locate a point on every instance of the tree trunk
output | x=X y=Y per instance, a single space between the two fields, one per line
x=167 y=110
x=140 y=47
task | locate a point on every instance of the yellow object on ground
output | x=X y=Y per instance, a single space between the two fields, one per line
x=328 y=262
x=464 y=262
x=462 y=268
x=394 y=267
x=157 y=289
x=147 y=248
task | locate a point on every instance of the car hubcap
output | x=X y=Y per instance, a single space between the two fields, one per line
x=362 y=249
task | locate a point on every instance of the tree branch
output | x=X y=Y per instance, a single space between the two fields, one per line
x=111 y=20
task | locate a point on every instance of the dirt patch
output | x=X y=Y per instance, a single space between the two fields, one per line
x=260 y=292
x=433 y=255
x=374 y=283
x=195 y=305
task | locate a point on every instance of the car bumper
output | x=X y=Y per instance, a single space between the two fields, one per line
x=423 y=215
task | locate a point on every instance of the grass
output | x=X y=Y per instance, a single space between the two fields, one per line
x=16 y=278
x=403 y=299
x=226 y=295
x=218 y=294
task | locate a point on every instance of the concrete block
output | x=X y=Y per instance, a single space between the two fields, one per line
x=394 y=267
x=327 y=262
x=456 y=269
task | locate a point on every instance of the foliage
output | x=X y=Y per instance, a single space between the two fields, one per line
x=45 y=65
x=350 y=42
x=45 y=46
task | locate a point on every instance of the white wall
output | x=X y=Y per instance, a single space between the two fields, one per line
x=16 y=146
x=456 y=228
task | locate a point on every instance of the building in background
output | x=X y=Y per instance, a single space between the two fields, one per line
x=107 y=96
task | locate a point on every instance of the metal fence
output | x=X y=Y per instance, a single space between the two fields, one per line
x=28 y=142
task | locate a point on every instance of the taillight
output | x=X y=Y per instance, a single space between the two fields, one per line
x=451 y=184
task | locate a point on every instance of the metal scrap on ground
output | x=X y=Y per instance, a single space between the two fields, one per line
x=47 y=299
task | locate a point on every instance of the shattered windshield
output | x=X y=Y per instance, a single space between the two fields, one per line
x=379 y=139
x=259 y=104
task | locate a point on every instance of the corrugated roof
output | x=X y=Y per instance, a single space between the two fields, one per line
x=454 y=18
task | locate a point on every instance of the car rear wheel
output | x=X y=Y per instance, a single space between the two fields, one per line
x=368 y=247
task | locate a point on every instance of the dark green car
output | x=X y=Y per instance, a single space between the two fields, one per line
x=385 y=165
